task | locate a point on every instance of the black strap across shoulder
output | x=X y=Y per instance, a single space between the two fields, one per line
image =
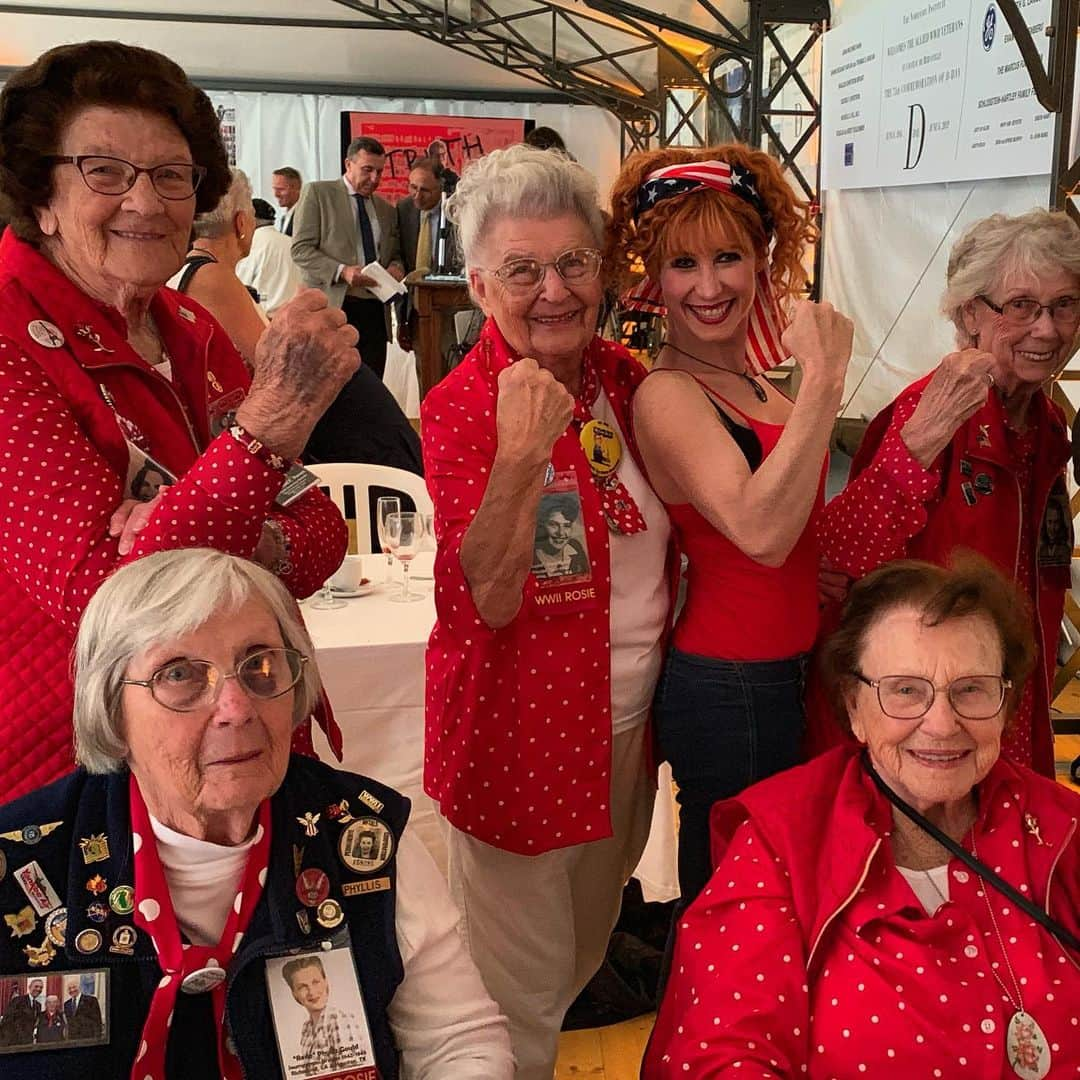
x=191 y=264
x=1051 y=925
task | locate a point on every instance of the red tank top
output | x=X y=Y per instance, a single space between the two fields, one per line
x=737 y=609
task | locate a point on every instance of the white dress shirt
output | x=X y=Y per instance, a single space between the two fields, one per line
x=269 y=269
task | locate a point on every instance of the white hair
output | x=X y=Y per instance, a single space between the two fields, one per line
x=521 y=181
x=997 y=249
x=218 y=222
x=153 y=600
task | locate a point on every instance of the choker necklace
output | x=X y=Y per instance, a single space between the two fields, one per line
x=759 y=391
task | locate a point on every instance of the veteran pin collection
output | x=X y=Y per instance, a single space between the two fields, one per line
x=364 y=844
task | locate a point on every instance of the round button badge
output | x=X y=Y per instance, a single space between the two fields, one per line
x=88 y=941
x=366 y=845
x=329 y=914
x=198 y=982
x=122 y=899
x=56 y=927
x=312 y=887
x=45 y=333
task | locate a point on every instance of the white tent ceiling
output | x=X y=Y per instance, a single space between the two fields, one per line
x=331 y=42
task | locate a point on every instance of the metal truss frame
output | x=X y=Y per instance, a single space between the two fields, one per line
x=1053 y=84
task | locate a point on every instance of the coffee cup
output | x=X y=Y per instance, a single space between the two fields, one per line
x=349 y=574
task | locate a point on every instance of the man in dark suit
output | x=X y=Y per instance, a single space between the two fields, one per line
x=285 y=185
x=20 y=1016
x=421 y=223
x=82 y=1012
x=340 y=227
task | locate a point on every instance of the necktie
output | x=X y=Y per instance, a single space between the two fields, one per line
x=423 y=244
x=367 y=237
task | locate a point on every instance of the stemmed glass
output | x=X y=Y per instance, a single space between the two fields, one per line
x=325 y=598
x=387 y=505
x=405 y=532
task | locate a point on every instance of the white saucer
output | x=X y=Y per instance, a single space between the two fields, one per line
x=349 y=594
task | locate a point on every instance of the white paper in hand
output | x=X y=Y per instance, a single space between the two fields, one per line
x=385 y=287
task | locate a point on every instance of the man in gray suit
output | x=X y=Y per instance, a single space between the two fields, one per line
x=340 y=226
x=420 y=222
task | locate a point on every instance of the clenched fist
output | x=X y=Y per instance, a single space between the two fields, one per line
x=819 y=338
x=958 y=389
x=302 y=361
x=532 y=410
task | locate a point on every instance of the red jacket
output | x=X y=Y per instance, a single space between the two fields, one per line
x=971 y=497
x=809 y=955
x=63 y=466
x=517 y=750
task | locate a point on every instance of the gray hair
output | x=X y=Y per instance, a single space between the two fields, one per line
x=218 y=222
x=997 y=249
x=153 y=600
x=521 y=181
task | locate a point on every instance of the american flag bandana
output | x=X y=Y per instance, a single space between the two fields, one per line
x=763 y=347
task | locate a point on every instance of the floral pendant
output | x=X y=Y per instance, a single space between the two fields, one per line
x=1027 y=1047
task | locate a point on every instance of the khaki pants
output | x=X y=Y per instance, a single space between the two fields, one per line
x=538 y=926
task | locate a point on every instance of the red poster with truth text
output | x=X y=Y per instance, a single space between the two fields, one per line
x=456 y=140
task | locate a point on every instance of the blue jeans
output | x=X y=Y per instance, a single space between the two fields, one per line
x=723 y=725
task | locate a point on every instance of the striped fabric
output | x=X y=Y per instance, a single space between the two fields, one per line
x=763 y=347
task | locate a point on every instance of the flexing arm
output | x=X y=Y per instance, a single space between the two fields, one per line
x=762 y=512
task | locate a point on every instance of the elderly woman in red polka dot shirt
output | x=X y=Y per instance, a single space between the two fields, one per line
x=973 y=455
x=129 y=422
x=909 y=908
x=541 y=668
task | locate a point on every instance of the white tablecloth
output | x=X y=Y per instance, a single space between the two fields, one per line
x=371 y=657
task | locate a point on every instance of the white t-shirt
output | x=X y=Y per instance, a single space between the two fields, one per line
x=444 y=1022
x=269 y=269
x=639 y=593
x=930 y=886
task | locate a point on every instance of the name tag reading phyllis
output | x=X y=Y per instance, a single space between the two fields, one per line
x=319 y=1016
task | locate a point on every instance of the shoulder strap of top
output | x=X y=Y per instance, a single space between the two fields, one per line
x=191 y=264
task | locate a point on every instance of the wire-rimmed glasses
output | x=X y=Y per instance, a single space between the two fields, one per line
x=176 y=180
x=576 y=267
x=909 y=697
x=183 y=685
x=1023 y=310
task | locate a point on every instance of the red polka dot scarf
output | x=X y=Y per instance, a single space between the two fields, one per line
x=178 y=960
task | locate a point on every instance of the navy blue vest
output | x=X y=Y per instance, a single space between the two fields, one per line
x=89 y=806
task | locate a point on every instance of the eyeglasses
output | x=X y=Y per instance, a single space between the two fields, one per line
x=176 y=180
x=184 y=685
x=1023 y=311
x=576 y=267
x=907 y=697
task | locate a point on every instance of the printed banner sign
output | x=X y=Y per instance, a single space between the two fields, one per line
x=455 y=140
x=930 y=91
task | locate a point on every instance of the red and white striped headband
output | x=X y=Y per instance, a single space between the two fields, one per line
x=766 y=325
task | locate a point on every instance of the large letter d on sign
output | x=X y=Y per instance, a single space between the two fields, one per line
x=914 y=133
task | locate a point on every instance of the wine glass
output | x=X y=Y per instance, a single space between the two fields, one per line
x=325 y=599
x=405 y=532
x=387 y=505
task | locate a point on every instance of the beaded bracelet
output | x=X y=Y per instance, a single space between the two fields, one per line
x=258 y=449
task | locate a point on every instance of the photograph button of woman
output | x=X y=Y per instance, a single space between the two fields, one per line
x=224 y=857
x=107 y=152
x=905 y=906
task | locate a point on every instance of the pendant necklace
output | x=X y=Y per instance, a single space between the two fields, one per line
x=1027 y=1049
x=759 y=391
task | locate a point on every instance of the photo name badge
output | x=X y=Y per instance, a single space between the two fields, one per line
x=145 y=475
x=38 y=888
x=319 y=1015
x=60 y=1010
x=561 y=563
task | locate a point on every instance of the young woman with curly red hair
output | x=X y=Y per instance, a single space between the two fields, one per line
x=739 y=466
